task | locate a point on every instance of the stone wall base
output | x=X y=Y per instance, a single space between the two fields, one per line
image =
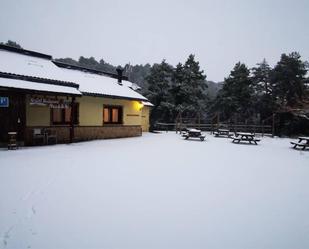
x=85 y=133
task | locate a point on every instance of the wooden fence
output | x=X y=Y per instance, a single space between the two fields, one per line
x=177 y=127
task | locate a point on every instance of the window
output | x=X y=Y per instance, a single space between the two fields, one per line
x=63 y=115
x=112 y=114
x=106 y=115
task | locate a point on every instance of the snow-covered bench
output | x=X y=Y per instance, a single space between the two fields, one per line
x=300 y=143
x=246 y=137
x=222 y=132
x=194 y=133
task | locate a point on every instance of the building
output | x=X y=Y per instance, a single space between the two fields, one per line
x=74 y=103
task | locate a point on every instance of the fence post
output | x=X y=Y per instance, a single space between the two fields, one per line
x=273 y=125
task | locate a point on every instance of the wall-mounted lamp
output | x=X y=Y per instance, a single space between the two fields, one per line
x=139 y=106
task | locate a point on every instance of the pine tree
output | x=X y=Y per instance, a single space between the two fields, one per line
x=188 y=88
x=261 y=78
x=177 y=90
x=236 y=93
x=288 y=79
x=159 y=81
x=263 y=99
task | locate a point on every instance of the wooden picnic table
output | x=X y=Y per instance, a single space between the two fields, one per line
x=303 y=142
x=222 y=132
x=245 y=137
x=194 y=133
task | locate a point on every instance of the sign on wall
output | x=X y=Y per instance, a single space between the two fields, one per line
x=4 y=101
x=52 y=103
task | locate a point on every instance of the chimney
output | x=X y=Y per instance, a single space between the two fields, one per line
x=119 y=72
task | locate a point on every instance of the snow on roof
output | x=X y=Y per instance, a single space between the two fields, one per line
x=132 y=85
x=147 y=103
x=89 y=83
x=16 y=63
x=43 y=87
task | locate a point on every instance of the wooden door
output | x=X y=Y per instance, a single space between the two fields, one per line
x=13 y=117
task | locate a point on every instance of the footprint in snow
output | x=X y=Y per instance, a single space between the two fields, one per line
x=33 y=210
x=6 y=236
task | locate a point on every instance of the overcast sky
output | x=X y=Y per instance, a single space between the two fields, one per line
x=220 y=33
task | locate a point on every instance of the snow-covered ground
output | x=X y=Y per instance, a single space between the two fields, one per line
x=155 y=191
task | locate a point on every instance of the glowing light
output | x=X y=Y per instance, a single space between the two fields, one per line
x=139 y=106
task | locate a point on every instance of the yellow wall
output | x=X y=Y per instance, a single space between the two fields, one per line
x=145 y=118
x=90 y=112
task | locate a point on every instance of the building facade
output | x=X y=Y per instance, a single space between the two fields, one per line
x=70 y=102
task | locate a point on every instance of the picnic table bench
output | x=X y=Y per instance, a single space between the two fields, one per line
x=303 y=142
x=12 y=140
x=245 y=137
x=222 y=132
x=193 y=133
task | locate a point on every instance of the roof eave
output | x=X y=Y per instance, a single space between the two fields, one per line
x=25 y=52
x=112 y=96
x=38 y=80
x=30 y=91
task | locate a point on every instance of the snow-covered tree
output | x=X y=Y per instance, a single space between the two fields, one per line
x=188 y=88
x=288 y=78
x=159 y=82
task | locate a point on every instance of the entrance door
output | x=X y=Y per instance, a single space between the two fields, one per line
x=12 y=116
